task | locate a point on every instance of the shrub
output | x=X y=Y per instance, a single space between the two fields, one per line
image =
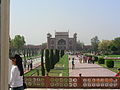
x=42 y=63
x=47 y=61
x=101 y=60
x=62 y=53
x=96 y=58
x=110 y=63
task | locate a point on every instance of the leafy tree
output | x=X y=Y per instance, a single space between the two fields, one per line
x=62 y=53
x=94 y=43
x=47 y=61
x=104 y=46
x=58 y=55
x=79 y=45
x=42 y=63
x=52 y=59
x=116 y=42
x=115 y=46
x=18 y=42
x=44 y=45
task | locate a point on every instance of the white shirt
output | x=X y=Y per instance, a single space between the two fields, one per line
x=15 y=79
x=10 y=66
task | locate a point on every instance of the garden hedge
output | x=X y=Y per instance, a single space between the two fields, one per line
x=110 y=63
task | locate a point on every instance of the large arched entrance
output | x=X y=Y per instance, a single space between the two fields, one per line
x=61 y=44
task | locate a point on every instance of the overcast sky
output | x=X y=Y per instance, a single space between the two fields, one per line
x=35 y=18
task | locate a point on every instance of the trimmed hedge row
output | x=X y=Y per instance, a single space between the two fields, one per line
x=101 y=60
x=110 y=63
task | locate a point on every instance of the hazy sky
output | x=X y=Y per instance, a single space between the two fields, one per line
x=35 y=18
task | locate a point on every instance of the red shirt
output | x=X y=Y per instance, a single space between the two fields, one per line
x=118 y=74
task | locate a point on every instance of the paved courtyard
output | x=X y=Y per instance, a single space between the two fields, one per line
x=86 y=69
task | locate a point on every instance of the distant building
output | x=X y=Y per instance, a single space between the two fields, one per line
x=38 y=47
x=87 y=47
x=62 y=41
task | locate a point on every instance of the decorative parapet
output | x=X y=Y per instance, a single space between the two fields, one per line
x=73 y=82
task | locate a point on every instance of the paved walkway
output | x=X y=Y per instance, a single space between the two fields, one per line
x=86 y=69
x=36 y=63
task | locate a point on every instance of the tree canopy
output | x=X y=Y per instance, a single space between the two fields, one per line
x=94 y=42
x=18 y=42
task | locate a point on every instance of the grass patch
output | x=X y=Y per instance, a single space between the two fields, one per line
x=113 y=55
x=62 y=67
x=110 y=55
x=116 y=66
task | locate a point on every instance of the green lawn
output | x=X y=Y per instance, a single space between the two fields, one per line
x=111 y=55
x=31 y=73
x=61 y=69
x=116 y=66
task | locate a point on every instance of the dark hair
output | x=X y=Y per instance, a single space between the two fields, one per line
x=118 y=68
x=19 y=64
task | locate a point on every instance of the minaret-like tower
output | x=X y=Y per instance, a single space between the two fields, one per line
x=48 y=40
x=75 y=40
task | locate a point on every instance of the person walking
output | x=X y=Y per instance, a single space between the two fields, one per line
x=16 y=77
x=93 y=60
x=73 y=64
x=31 y=64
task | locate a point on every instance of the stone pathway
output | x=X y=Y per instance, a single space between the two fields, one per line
x=86 y=69
x=36 y=63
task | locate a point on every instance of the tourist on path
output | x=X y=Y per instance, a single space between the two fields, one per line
x=16 y=77
x=73 y=64
x=31 y=64
x=93 y=60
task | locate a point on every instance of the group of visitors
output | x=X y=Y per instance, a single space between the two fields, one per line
x=28 y=64
x=86 y=59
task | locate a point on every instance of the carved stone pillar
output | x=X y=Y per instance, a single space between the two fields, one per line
x=4 y=44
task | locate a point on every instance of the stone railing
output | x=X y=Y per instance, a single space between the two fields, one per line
x=72 y=82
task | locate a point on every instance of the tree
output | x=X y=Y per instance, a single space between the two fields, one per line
x=116 y=42
x=115 y=46
x=44 y=45
x=94 y=43
x=18 y=42
x=79 y=45
x=104 y=46
x=42 y=63
x=62 y=53
x=52 y=59
x=58 y=55
x=47 y=61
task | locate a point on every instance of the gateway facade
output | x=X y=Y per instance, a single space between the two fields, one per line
x=62 y=41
